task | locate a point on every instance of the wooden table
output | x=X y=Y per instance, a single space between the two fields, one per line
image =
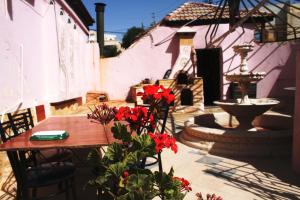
x=82 y=134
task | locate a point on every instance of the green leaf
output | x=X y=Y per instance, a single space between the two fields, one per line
x=100 y=180
x=131 y=158
x=114 y=152
x=137 y=181
x=170 y=188
x=115 y=170
x=94 y=157
x=171 y=172
x=144 y=144
x=140 y=186
x=147 y=172
x=120 y=132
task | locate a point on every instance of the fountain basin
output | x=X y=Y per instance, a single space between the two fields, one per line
x=246 y=112
x=245 y=77
x=216 y=134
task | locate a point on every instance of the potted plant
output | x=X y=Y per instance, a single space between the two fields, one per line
x=120 y=174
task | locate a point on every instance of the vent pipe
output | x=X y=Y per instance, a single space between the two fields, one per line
x=100 y=7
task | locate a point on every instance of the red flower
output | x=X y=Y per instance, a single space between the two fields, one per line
x=125 y=174
x=157 y=93
x=157 y=96
x=185 y=184
x=167 y=95
x=136 y=117
x=125 y=177
x=174 y=148
x=163 y=140
x=150 y=90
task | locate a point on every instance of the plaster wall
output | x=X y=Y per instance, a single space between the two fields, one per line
x=157 y=52
x=150 y=57
x=43 y=57
x=296 y=137
x=278 y=60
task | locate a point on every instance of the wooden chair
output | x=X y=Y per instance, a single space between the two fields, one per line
x=22 y=122
x=30 y=178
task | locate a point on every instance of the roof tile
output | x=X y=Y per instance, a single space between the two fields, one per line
x=203 y=11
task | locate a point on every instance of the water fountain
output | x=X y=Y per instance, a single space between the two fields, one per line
x=245 y=109
x=244 y=129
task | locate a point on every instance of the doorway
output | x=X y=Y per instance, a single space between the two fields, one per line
x=209 y=67
x=186 y=97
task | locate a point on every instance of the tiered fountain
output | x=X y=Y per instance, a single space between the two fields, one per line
x=245 y=109
x=244 y=129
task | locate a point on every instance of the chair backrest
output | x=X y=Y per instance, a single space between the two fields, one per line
x=16 y=159
x=6 y=131
x=21 y=122
x=163 y=117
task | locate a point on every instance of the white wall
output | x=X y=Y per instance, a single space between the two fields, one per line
x=43 y=58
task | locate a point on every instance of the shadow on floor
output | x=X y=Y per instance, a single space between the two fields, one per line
x=267 y=178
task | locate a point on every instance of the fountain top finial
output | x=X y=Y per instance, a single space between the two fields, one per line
x=246 y=47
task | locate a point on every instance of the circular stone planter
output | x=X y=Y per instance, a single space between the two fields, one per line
x=217 y=134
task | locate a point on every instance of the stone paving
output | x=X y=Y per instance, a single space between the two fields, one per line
x=231 y=178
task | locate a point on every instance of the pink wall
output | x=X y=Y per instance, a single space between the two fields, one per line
x=156 y=52
x=43 y=58
x=278 y=60
x=296 y=139
x=143 y=60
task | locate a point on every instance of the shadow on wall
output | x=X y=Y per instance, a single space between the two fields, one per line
x=279 y=44
x=233 y=42
x=9 y=5
x=10 y=9
x=173 y=49
x=31 y=2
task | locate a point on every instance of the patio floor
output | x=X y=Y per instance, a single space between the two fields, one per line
x=231 y=178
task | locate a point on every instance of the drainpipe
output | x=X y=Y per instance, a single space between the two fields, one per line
x=100 y=7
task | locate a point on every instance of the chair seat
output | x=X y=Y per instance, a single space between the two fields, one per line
x=49 y=173
x=54 y=155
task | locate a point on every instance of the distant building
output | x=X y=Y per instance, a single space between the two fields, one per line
x=285 y=26
x=111 y=40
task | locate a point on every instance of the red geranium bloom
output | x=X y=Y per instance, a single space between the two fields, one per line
x=125 y=174
x=163 y=140
x=167 y=95
x=136 y=117
x=185 y=184
x=150 y=89
x=157 y=93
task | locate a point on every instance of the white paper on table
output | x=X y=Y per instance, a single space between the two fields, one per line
x=46 y=133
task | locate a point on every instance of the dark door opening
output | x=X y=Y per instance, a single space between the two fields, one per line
x=186 y=97
x=209 y=67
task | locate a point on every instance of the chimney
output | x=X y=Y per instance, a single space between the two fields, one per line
x=100 y=7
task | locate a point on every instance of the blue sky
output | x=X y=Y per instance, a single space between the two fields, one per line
x=123 y=14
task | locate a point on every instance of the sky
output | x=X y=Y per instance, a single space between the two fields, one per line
x=123 y=14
